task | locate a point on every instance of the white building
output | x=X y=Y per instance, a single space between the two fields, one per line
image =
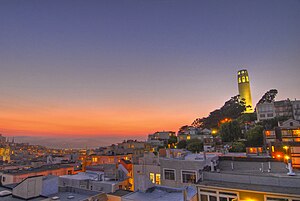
x=265 y=111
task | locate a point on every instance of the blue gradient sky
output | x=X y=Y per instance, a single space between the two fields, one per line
x=135 y=67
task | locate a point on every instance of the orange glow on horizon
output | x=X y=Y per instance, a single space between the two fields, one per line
x=90 y=121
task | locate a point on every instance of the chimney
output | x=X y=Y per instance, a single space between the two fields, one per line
x=269 y=170
x=290 y=173
x=212 y=167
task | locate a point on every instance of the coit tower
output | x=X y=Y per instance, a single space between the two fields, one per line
x=244 y=89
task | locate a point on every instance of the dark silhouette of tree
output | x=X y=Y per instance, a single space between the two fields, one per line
x=232 y=109
x=268 y=97
x=182 y=129
x=182 y=144
x=195 y=145
x=230 y=131
x=172 y=140
x=255 y=136
x=237 y=147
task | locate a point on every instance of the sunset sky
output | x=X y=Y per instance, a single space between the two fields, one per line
x=130 y=68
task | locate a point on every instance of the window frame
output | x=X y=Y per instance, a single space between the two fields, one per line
x=188 y=171
x=165 y=175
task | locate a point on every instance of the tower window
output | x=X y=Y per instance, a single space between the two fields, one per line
x=239 y=80
x=243 y=79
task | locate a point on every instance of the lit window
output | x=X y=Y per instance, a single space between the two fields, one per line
x=152 y=177
x=188 y=177
x=247 y=79
x=169 y=174
x=243 y=79
x=157 y=179
x=188 y=137
x=239 y=80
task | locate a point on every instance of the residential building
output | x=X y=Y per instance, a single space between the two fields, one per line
x=284 y=108
x=12 y=176
x=265 y=111
x=296 y=109
x=259 y=179
x=40 y=188
x=160 y=138
x=94 y=181
x=5 y=153
x=183 y=168
x=146 y=173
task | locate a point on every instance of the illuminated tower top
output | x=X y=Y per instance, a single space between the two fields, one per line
x=244 y=89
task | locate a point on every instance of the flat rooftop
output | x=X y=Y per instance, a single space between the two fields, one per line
x=66 y=196
x=38 y=169
x=254 y=187
x=11 y=198
x=274 y=168
x=191 y=157
x=161 y=194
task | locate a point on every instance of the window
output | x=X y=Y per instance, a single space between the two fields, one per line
x=270 y=114
x=188 y=177
x=3 y=179
x=152 y=178
x=262 y=115
x=276 y=199
x=169 y=174
x=210 y=195
x=157 y=180
x=204 y=197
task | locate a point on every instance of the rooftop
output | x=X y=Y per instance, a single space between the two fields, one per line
x=253 y=187
x=66 y=196
x=120 y=193
x=253 y=167
x=12 y=198
x=161 y=194
x=38 y=169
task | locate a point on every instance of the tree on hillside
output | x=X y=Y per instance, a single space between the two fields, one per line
x=195 y=145
x=268 y=97
x=246 y=118
x=237 y=147
x=183 y=129
x=182 y=144
x=233 y=108
x=255 y=136
x=172 y=141
x=230 y=131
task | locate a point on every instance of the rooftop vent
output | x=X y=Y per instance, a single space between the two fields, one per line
x=55 y=198
x=71 y=197
x=5 y=193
